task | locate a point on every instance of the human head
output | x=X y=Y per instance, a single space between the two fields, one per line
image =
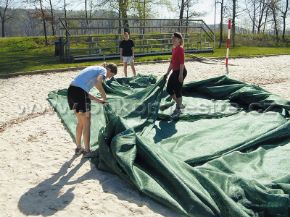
x=126 y=35
x=177 y=39
x=111 y=69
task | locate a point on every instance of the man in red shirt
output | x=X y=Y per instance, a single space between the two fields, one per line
x=175 y=81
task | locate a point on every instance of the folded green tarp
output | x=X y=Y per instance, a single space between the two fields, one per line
x=226 y=155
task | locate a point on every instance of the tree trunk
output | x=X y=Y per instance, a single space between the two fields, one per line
x=284 y=19
x=254 y=18
x=43 y=22
x=284 y=28
x=181 y=14
x=3 y=27
x=3 y=18
x=120 y=23
x=52 y=18
x=187 y=16
x=262 y=7
x=274 y=11
x=266 y=17
x=86 y=12
x=123 y=10
x=221 y=24
x=234 y=23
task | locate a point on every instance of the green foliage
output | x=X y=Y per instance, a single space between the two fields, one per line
x=25 y=54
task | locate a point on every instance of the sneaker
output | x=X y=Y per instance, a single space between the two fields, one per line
x=79 y=151
x=176 y=113
x=89 y=154
x=182 y=106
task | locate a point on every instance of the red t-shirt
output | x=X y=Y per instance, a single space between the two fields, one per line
x=177 y=58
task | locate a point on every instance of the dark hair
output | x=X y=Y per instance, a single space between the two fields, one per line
x=113 y=67
x=127 y=30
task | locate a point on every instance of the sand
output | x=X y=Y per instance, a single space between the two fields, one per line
x=39 y=175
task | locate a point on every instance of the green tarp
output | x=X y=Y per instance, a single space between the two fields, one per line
x=228 y=154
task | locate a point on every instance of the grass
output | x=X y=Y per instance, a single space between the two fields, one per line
x=26 y=54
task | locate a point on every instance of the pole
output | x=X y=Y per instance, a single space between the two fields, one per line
x=228 y=47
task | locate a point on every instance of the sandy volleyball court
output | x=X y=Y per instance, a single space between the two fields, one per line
x=39 y=175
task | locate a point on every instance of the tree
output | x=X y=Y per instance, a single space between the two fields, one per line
x=221 y=23
x=4 y=15
x=122 y=6
x=258 y=13
x=40 y=13
x=273 y=5
x=284 y=10
x=43 y=18
x=181 y=11
x=52 y=17
x=185 y=7
x=234 y=22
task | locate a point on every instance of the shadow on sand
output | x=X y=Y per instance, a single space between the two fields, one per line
x=47 y=198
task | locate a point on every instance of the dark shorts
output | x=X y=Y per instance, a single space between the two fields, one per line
x=78 y=99
x=173 y=85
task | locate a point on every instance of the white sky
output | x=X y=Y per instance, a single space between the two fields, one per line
x=206 y=7
x=160 y=11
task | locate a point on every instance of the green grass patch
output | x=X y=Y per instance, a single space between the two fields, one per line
x=26 y=54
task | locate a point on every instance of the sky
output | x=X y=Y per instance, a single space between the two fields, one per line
x=206 y=7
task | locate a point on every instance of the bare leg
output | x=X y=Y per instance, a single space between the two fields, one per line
x=178 y=102
x=125 y=69
x=79 y=130
x=133 y=68
x=86 y=124
x=174 y=97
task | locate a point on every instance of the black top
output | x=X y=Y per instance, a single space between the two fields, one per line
x=127 y=47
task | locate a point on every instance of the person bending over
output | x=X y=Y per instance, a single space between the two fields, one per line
x=79 y=100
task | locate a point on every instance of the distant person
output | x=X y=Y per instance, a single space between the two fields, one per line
x=79 y=100
x=127 y=53
x=175 y=81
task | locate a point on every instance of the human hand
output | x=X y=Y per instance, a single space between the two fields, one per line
x=100 y=100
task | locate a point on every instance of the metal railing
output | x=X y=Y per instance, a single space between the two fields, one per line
x=99 y=37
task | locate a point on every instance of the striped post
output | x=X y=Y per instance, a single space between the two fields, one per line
x=228 y=46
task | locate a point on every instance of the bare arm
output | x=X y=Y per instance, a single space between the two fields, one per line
x=169 y=68
x=121 y=51
x=96 y=99
x=180 y=78
x=100 y=88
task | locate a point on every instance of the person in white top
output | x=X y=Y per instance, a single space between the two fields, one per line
x=79 y=100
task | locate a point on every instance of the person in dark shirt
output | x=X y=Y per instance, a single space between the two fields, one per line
x=127 y=53
x=175 y=81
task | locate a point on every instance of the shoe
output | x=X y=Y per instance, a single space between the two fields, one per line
x=182 y=106
x=89 y=154
x=176 y=113
x=79 y=151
